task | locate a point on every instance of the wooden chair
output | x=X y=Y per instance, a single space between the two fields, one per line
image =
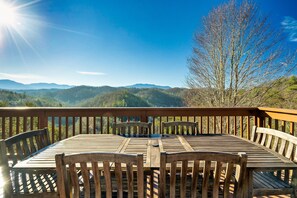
x=185 y=168
x=99 y=169
x=18 y=148
x=180 y=127
x=279 y=182
x=132 y=129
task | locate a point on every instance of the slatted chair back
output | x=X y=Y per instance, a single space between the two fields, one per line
x=278 y=141
x=15 y=149
x=132 y=129
x=278 y=182
x=98 y=169
x=188 y=164
x=180 y=127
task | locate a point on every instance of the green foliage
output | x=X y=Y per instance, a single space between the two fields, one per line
x=75 y=95
x=12 y=99
x=158 y=98
x=283 y=93
x=82 y=95
x=120 y=98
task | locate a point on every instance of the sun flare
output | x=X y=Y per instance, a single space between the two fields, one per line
x=19 y=25
x=8 y=14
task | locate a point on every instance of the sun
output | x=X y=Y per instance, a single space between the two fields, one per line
x=8 y=14
x=19 y=25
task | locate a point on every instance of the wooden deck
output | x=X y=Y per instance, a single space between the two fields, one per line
x=68 y=122
x=259 y=158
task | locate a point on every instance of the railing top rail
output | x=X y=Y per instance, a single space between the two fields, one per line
x=121 y=111
x=278 y=110
x=279 y=114
x=115 y=108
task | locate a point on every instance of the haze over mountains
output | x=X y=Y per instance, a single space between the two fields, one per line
x=12 y=85
x=43 y=94
x=105 y=96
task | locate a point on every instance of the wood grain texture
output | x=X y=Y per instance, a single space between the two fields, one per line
x=180 y=127
x=130 y=129
x=182 y=166
x=18 y=148
x=259 y=157
x=69 y=185
x=284 y=144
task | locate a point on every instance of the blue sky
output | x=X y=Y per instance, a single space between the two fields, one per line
x=115 y=43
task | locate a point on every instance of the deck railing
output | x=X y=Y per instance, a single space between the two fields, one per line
x=66 y=122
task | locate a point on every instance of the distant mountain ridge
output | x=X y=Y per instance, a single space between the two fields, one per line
x=12 y=85
x=148 y=86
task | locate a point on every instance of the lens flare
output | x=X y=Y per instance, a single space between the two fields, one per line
x=8 y=14
x=18 y=25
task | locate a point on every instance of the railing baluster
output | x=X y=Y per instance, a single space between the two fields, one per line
x=94 y=125
x=276 y=124
x=17 y=125
x=10 y=127
x=269 y=123
x=87 y=123
x=53 y=129
x=201 y=124
x=292 y=128
x=107 y=124
x=25 y=124
x=207 y=124
x=3 y=128
x=221 y=124
x=235 y=129
x=101 y=124
x=73 y=126
x=283 y=126
x=214 y=125
x=241 y=126
x=67 y=126
x=228 y=124
x=31 y=122
x=248 y=122
x=80 y=125
x=59 y=123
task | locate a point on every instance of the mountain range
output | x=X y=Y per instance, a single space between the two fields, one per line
x=105 y=96
x=12 y=85
x=44 y=94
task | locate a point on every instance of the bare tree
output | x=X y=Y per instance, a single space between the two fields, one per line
x=236 y=51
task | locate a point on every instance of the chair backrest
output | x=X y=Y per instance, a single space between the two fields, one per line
x=132 y=128
x=184 y=164
x=180 y=127
x=278 y=141
x=17 y=148
x=92 y=167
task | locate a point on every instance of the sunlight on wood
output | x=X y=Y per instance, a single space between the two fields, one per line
x=1 y=183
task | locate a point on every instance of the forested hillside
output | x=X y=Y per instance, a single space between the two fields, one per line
x=160 y=98
x=120 y=98
x=283 y=93
x=12 y=99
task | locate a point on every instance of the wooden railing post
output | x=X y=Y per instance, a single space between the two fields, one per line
x=42 y=120
x=260 y=121
x=144 y=117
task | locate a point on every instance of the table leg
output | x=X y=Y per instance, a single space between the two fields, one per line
x=249 y=183
x=294 y=182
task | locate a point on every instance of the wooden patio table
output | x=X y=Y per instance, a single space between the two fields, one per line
x=259 y=158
